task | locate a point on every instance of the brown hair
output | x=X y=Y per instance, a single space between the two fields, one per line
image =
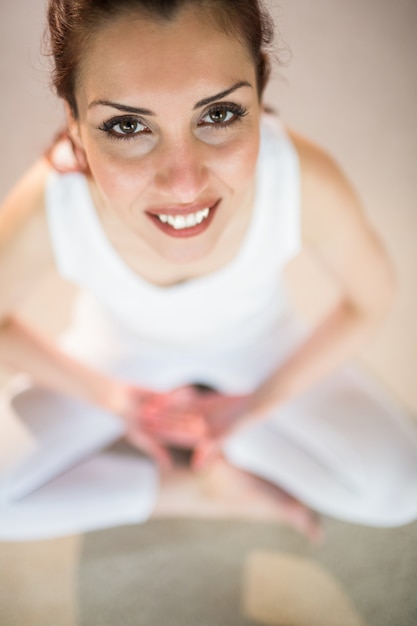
x=73 y=22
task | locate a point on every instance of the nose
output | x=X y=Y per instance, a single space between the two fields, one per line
x=181 y=171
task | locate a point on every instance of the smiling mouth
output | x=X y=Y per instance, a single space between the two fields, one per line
x=178 y=223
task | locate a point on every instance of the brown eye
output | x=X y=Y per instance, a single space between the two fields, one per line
x=128 y=127
x=124 y=128
x=222 y=115
x=218 y=116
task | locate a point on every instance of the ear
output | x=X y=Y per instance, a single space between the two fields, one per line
x=73 y=126
x=74 y=133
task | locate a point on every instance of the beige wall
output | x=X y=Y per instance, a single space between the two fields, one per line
x=350 y=85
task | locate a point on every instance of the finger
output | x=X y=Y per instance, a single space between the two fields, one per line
x=150 y=447
x=205 y=453
x=176 y=438
x=194 y=424
x=173 y=417
x=152 y=408
x=182 y=395
x=183 y=414
x=182 y=440
x=173 y=422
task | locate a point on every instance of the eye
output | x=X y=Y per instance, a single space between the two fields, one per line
x=222 y=115
x=126 y=127
x=219 y=116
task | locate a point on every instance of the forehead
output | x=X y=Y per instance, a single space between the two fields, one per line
x=133 y=54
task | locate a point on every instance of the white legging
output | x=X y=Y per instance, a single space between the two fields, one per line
x=344 y=449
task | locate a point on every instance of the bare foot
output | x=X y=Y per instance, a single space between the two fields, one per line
x=224 y=492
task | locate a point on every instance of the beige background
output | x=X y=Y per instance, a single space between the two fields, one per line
x=349 y=83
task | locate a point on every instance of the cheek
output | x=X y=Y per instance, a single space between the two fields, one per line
x=237 y=162
x=119 y=180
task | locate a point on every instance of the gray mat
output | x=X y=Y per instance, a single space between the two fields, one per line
x=184 y=572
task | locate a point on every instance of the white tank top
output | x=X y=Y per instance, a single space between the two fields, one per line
x=199 y=329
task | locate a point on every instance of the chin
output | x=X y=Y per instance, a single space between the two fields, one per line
x=184 y=254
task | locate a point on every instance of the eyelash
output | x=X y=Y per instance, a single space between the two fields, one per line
x=238 y=111
x=229 y=107
x=108 y=126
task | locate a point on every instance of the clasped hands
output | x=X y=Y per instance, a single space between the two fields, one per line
x=184 y=418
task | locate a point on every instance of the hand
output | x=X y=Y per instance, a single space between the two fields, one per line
x=174 y=419
x=184 y=417
x=191 y=418
x=130 y=403
x=222 y=414
x=155 y=419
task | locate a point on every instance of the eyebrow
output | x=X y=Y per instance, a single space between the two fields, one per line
x=222 y=94
x=129 y=109
x=121 y=107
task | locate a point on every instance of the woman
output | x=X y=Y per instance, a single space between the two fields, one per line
x=186 y=204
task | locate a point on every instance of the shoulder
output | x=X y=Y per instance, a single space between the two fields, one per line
x=24 y=205
x=25 y=247
x=335 y=228
x=328 y=198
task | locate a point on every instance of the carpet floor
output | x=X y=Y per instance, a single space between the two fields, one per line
x=185 y=572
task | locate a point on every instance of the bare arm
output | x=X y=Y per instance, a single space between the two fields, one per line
x=337 y=233
x=26 y=256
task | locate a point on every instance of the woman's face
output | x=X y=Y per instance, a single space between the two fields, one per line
x=169 y=124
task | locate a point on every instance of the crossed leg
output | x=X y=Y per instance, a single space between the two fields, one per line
x=225 y=492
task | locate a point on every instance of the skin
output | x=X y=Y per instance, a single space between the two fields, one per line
x=180 y=158
x=179 y=161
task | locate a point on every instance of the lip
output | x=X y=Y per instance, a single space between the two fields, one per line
x=192 y=231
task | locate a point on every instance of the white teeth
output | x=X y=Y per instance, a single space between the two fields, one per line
x=190 y=220
x=185 y=221
x=179 y=222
